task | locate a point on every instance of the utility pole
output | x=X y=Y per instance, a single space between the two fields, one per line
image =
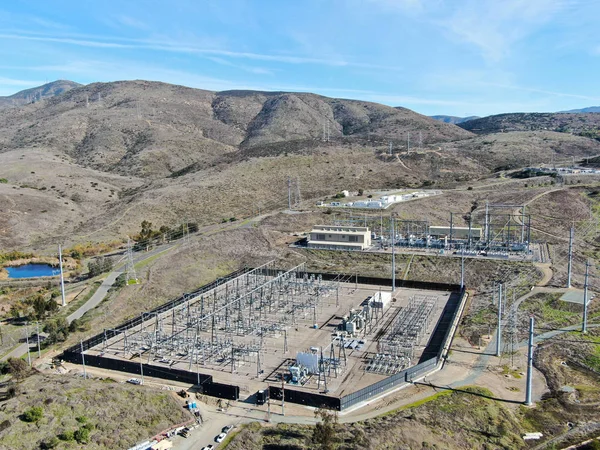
x=487 y=223
x=142 y=369
x=408 y=143
x=298 y=199
x=27 y=343
x=268 y=403
x=462 y=269
x=529 y=364
x=585 y=296
x=131 y=275
x=282 y=397
x=62 y=277
x=391 y=152
x=499 y=332
x=570 y=264
x=82 y=359
x=393 y=255
x=420 y=140
x=37 y=329
x=289 y=193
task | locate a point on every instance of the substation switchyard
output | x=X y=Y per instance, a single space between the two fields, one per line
x=311 y=332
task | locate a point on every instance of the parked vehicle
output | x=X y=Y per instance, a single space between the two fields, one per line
x=220 y=437
x=227 y=429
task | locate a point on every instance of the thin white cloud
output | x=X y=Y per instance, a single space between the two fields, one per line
x=543 y=91
x=411 y=6
x=132 y=22
x=496 y=26
x=245 y=68
x=176 y=47
x=15 y=82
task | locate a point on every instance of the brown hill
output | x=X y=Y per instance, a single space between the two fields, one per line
x=38 y=93
x=94 y=162
x=583 y=124
x=153 y=129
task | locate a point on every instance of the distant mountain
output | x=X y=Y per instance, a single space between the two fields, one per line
x=105 y=156
x=454 y=119
x=151 y=128
x=591 y=109
x=582 y=124
x=38 y=93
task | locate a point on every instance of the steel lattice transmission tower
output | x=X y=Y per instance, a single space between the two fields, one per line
x=131 y=275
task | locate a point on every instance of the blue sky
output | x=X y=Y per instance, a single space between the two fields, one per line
x=459 y=57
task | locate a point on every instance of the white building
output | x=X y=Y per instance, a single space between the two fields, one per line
x=339 y=237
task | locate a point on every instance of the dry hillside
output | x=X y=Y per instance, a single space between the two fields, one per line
x=93 y=162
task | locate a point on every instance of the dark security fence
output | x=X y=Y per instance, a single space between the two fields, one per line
x=305 y=398
x=220 y=390
x=393 y=381
x=73 y=354
x=429 y=360
x=135 y=368
x=376 y=281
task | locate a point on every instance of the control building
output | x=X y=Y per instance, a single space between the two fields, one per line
x=339 y=237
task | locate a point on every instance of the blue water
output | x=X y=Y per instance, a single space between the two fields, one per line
x=32 y=271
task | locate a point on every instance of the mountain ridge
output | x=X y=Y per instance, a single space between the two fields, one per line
x=37 y=93
x=453 y=119
x=133 y=126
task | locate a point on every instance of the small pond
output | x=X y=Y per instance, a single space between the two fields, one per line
x=32 y=271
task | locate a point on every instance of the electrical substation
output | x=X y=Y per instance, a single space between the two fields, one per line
x=499 y=230
x=325 y=334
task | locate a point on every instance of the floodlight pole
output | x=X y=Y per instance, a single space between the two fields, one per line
x=499 y=331
x=462 y=269
x=27 y=342
x=83 y=360
x=570 y=264
x=529 y=364
x=37 y=326
x=585 y=297
x=393 y=255
x=62 y=278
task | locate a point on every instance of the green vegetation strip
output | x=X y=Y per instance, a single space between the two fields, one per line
x=74 y=306
x=229 y=438
x=151 y=259
x=417 y=403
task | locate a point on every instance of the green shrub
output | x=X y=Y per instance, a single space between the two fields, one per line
x=3 y=180
x=33 y=414
x=66 y=435
x=82 y=435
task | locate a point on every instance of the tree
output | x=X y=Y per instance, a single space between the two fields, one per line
x=324 y=433
x=57 y=329
x=100 y=265
x=146 y=231
x=18 y=368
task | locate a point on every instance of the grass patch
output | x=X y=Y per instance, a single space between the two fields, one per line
x=418 y=403
x=151 y=259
